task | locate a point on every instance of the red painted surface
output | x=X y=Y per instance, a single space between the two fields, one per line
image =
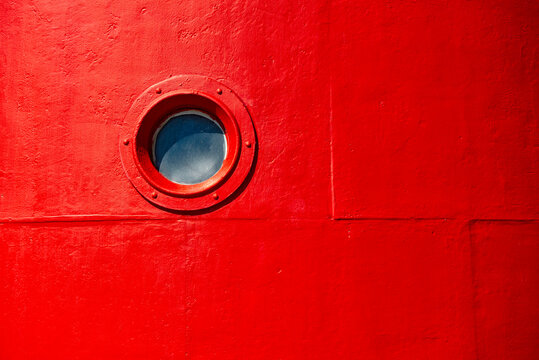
x=392 y=213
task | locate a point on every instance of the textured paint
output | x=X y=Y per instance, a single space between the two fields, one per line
x=392 y=213
x=437 y=104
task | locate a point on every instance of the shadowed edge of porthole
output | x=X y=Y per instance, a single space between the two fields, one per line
x=226 y=201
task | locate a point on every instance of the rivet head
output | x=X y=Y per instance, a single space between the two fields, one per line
x=215 y=196
x=126 y=141
x=154 y=195
x=158 y=90
x=248 y=144
x=219 y=91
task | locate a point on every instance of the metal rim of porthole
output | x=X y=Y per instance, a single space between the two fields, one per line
x=187 y=94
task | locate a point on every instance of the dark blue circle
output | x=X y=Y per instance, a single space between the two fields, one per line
x=189 y=148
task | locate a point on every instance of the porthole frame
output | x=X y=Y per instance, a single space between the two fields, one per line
x=148 y=113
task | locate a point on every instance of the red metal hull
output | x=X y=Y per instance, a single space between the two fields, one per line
x=392 y=212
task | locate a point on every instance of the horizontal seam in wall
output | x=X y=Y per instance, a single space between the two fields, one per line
x=113 y=218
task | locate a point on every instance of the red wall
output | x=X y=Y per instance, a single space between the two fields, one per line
x=392 y=214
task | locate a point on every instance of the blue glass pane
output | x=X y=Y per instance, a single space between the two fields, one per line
x=190 y=148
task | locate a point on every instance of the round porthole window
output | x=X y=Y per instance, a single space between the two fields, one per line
x=189 y=148
x=188 y=143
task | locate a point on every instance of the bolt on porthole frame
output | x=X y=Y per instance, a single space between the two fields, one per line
x=154 y=107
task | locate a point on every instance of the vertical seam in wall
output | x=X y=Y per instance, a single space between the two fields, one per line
x=331 y=161
x=331 y=152
x=473 y=260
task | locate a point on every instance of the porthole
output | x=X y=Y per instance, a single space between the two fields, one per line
x=189 y=147
x=188 y=143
